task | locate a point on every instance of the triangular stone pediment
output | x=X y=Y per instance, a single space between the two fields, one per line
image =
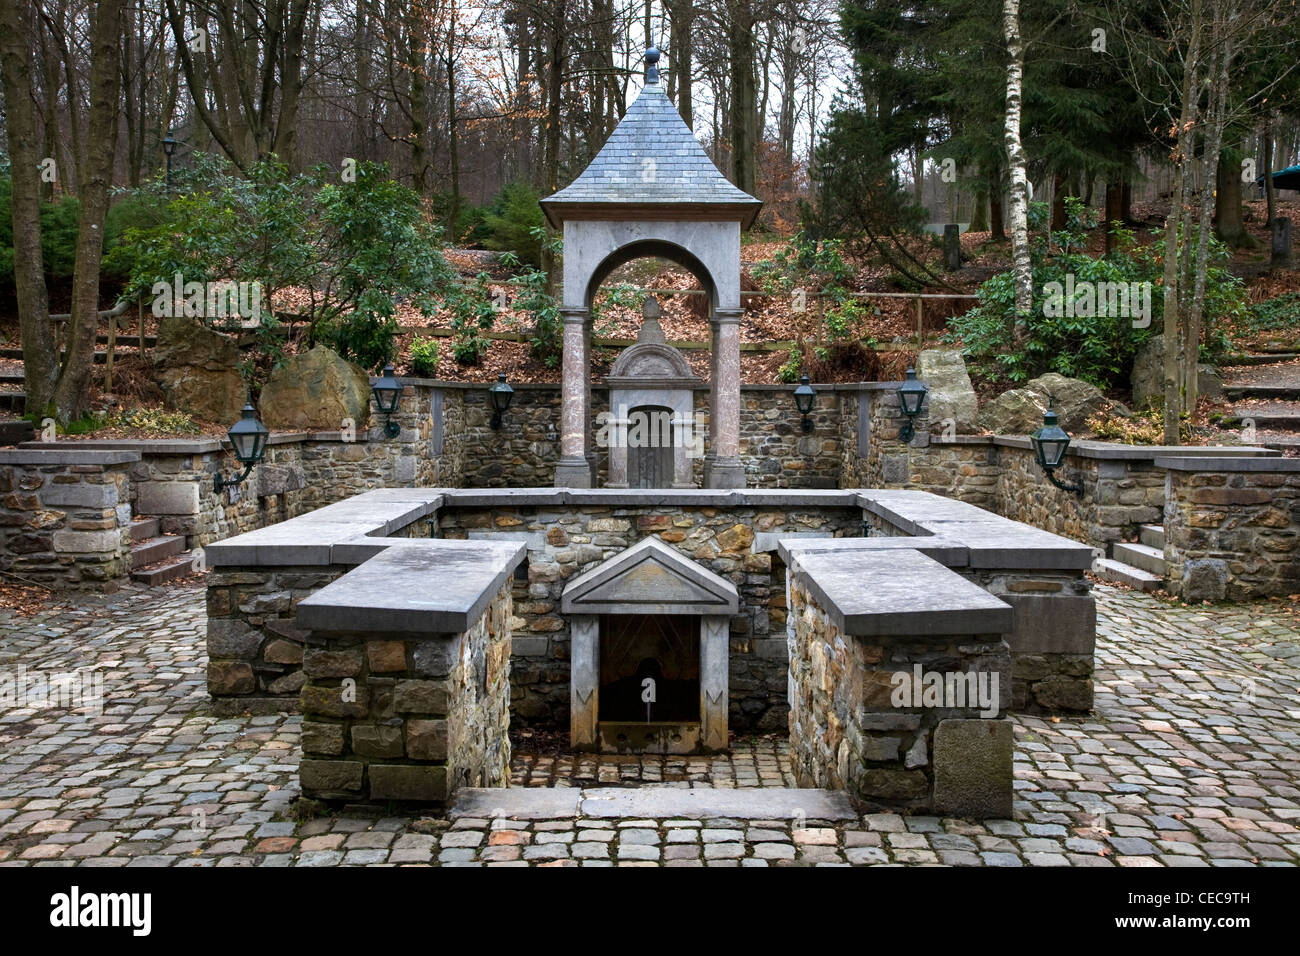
x=650 y=578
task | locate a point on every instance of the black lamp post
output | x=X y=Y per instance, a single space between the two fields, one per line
x=248 y=438
x=1050 y=443
x=388 y=393
x=911 y=396
x=502 y=395
x=169 y=147
x=804 y=398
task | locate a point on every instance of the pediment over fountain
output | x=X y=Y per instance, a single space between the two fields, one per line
x=650 y=578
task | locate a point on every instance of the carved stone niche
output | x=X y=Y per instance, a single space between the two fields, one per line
x=651 y=434
x=648 y=658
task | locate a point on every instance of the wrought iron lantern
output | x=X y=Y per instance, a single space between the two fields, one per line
x=388 y=393
x=804 y=398
x=248 y=439
x=1050 y=443
x=501 y=394
x=911 y=396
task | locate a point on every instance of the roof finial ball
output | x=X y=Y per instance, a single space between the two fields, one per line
x=652 y=63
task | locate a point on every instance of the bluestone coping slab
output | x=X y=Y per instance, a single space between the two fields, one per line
x=440 y=588
x=946 y=551
x=1229 y=464
x=898 y=593
x=516 y=803
x=32 y=453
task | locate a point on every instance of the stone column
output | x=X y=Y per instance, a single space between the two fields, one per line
x=573 y=470
x=584 y=680
x=616 y=441
x=723 y=468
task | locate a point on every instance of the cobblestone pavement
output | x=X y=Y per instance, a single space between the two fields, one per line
x=1191 y=759
x=753 y=762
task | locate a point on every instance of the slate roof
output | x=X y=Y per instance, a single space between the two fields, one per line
x=653 y=159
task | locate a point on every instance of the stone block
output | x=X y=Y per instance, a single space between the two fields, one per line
x=370 y=740
x=424 y=784
x=318 y=699
x=322 y=738
x=1064 y=693
x=278 y=651
x=330 y=776
x=231 y=637
x=87 y=542
x=80 y=496
x=228 y=678
x=421 y=697
x=973 y=772
x=386 y=657
x=167 y=498
x=435 y=658
x=426 y=739
x=1204 y=579
x=341 y=663
x=1055 y=624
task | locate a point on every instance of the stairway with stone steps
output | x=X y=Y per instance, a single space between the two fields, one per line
x=157 y=558
x=1140 y=564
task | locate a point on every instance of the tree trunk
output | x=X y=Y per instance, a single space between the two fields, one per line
x=40 y=361
x=1173 y=227
x=1022 y=267
x=997 y=231
x=744 y=96
x=1229 y=225
x=1270 y=191
x=1220 y=64
x=1114 y=210
x=1058 y=201
x=71 y=392
x=682 y=16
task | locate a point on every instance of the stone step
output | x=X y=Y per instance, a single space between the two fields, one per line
x=12 y=401
x=1153 y=536
x=1260 y=358
x=144 y=528
x=19 y=430
x=1118 y=572
x=12 y=378
x=152 y=550
x=1262 y=391
x=1141 y=556
x=637 y=803
x=1269 y=422
x=164 y=571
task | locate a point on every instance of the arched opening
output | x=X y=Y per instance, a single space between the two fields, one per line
x=651 y=249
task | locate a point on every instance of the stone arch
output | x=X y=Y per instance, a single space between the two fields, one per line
x=651 y=248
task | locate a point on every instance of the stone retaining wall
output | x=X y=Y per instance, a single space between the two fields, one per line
x=64 y=516
x=1232 y=528
x=734 y=542
x=849 y=730
x=403 y=718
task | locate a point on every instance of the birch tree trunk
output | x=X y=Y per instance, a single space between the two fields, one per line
x=1019 y=180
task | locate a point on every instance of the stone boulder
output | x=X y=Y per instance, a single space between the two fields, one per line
x=1019 y=411
x=951 y=396
x=316 y=389
x=198 y=370
x=1148 y=379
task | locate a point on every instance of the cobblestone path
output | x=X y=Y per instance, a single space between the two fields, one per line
x=1191 y=759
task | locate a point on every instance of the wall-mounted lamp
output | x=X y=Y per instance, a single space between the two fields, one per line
x=388 y=394
x=805 y=396
x=169 y=148
x=1050 y=443
x=501 y=394
x=911 y=396
x=248 y=438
